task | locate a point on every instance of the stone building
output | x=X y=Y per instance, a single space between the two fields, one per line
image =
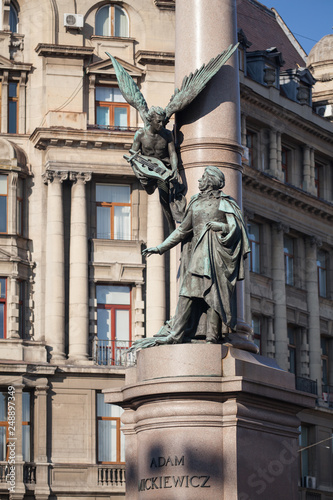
x=74 y=289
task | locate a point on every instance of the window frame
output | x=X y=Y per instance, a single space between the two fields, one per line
x=285 y=164
x=112 y=205
x=13 y=11
x=111 y=105
x=5 y=196
x=255 y=247
x=321 y=270
x=15 y=100
x=4 y=301
x=118 y=434
x=112 y=24
x=289 y=257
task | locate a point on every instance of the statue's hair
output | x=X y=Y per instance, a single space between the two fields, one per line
x=215 y=176
x=155 y=110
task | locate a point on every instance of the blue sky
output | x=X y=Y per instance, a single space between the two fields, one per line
x=307 y=19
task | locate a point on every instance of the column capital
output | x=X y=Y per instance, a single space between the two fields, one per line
x=51 y=175
x=315 y=241
x=80 y=177
x=280 y=227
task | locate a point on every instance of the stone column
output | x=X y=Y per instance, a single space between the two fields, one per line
x=211 y=125
x=19 y=485
x=78 y=271
x=270 y=344
x=313 y=189
x=305 y=372
x=42 y=489
x=306 y=169
x=55 y=271
x=155 y=277
x=273 y=152
x=22 y=103
x=139 y=313
x=311 y=245
x=279 y=156
x=13 y=313
x=279 y=297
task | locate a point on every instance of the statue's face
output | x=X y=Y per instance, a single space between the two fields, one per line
x=204 y=182
x=157 y=122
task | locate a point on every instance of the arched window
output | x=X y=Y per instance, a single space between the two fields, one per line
x=111 y=20
x=13 y=19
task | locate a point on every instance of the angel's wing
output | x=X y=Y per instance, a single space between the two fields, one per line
x=193 y=84
x=129 y=89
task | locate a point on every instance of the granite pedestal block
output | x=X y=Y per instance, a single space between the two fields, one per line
x=209 y=422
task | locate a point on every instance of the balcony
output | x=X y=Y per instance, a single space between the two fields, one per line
x=111 y=475
x=306 y=385
x=113 y=353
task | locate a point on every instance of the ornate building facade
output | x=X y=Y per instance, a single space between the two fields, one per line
x=74 y=289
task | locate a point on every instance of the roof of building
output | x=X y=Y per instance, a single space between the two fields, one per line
x=262 y=28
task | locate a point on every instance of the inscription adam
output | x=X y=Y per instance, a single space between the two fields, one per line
x=165 y=482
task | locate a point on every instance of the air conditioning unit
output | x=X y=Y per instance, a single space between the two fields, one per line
x=73 y=21
x=310 y=482
x=326 y=111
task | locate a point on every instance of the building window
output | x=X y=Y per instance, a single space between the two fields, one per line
x=322 y=273
x=111 y=20
x=285 y=163
x=251 y=143
x=3 y=203
x=111 y=108
x=324 y=361
x=13 y=107
x=292 y=350
x=113 y=211
x=13 y=19
x=3 y=426
x=113 y=323
x=253 y=230
x=110 y=440
x=289 y=259
x=256 y=327
x=3 y=304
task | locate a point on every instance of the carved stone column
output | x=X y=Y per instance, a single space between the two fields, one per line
x=12 y=202
x=313 y=189
x=306 y=169
x=4 y=103
x=155 y=277
x=273 y=153
x=311 y=245
x=279 y=156
x=279 y=296
x=139 y=315
x=305 y=369
x=78 y=271
x=55 y=272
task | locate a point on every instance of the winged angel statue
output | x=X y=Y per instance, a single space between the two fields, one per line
x=153 y=155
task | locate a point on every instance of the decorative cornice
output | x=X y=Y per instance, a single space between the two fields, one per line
x=249 y=95
x=54 y=50
x=154 y=57
x=265 y=184
x=43 y=138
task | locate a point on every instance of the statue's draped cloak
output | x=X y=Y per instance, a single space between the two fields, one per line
x=213 y=261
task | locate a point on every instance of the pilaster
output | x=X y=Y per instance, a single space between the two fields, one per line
x=42 y=489
x=273 y=144
x=279 y=296
x=311 y=246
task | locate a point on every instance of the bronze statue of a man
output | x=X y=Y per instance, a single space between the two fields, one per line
x=213 y=264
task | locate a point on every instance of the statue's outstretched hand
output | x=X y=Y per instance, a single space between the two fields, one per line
x=217 y=226
x=149 y=251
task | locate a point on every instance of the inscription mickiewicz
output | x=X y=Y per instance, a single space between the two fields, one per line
x=164 y=482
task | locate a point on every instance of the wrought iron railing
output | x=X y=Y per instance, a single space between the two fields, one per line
x=111 y=475
x=328 y=395
x=29 y=473
x=113 y=353
x=306 y=385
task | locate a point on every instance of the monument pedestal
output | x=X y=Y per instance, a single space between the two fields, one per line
x=209 y=422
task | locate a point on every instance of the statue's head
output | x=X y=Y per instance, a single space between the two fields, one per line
x=155 y=111
x=212 y=177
